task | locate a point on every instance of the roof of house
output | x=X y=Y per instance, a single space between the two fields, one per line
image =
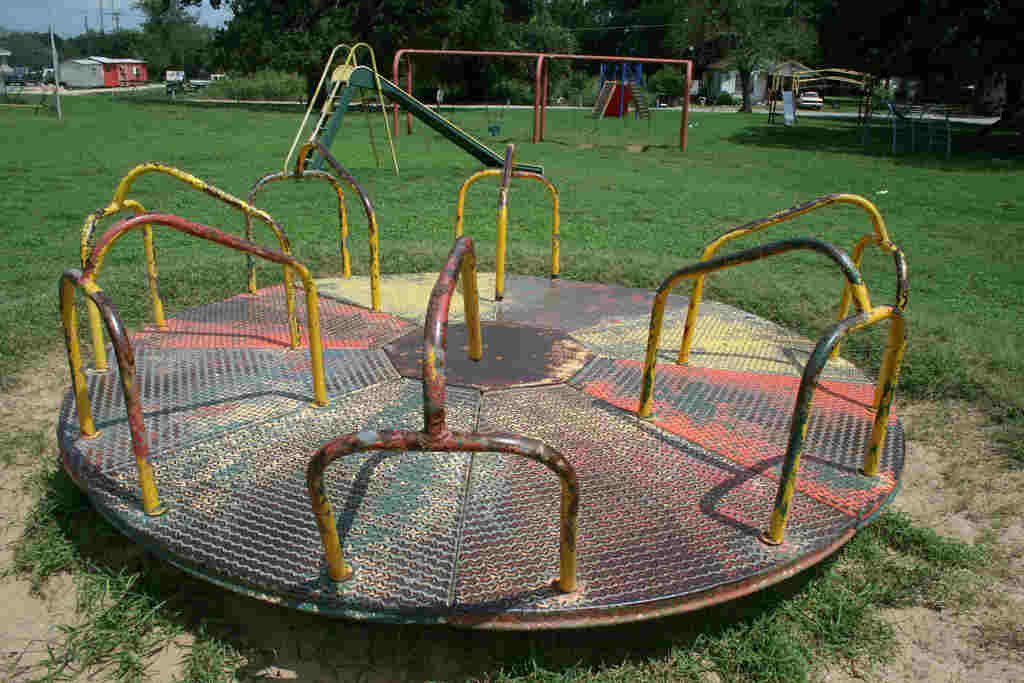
x=106 y=60
x=5 y=53
x=118 y=60
x=786 y=65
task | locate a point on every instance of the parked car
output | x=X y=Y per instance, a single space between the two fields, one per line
x=16 y=77
x=810 y=100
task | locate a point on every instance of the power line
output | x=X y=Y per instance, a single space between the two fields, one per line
x=623 y=26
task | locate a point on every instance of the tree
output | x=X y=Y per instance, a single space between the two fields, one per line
x=754 y=33
x=27 y=49
x=965 y=40
x=173 y=38
x=298 y=35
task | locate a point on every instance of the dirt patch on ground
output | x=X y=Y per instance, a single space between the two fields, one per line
x=956 y=482
x=31 y=621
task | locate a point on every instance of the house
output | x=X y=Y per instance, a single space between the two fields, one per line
x=122 y=71
x=81 y=73
x=99 y=72
x=5 y=68
x=722 y=77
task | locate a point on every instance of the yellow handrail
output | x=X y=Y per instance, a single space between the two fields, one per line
x=555 y=221
x=70 y=281
x=120 y=203
x=287 y=261
x=880 y=237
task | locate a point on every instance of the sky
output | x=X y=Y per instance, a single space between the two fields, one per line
x=69 y=16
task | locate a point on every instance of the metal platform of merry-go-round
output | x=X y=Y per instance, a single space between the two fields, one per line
x=614 y=454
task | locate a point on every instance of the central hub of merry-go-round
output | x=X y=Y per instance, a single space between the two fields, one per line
x=416 y=449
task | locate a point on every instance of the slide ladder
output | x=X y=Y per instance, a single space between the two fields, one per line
x=603 y=99
x=640 y=103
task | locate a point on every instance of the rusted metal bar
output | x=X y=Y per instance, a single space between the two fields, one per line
x=462 y=258
x=902 y=287
x=404 y=441
x=371 y=217
x=878 y=225
x=119 y=203
x=192 y=181
x=287 y=261
x=802 y=408
x=885 y=390
x=95 y=325
x=74 y=279
x=555 y=211
x=261 y=184
x=435 y=436
x=506 y=178
x=859 y=293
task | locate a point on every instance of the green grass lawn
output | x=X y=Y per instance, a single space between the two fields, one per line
x=629 y=217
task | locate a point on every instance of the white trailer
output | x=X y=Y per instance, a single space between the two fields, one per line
x=81 y=73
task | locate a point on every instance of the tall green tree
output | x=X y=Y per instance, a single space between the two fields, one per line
x=753 y=33
x=27 y=49
x=298 y=35
x=173 y=38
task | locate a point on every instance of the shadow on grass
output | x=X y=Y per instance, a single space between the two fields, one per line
x=971 y=150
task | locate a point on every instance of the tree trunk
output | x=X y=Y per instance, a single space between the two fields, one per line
x=745 y=82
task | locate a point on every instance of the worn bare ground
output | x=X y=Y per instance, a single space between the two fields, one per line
x=956 y=482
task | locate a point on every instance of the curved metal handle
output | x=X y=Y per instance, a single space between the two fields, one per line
x=802 y=407
x=120 y=203
x=287 y=261
x=371 y=216
x=854 y=282
x=878 y=236
x=555 y=216
x=435 y=435
x=71 y=280
x=513 y=444
x=262 y=183
x=462 y=258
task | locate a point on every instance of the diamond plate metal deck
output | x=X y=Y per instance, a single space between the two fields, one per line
x=671 y=508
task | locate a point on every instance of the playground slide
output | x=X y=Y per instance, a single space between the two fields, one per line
x=363 y=77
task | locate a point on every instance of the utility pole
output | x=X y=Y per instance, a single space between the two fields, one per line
x=101 y=16
x=56 y=74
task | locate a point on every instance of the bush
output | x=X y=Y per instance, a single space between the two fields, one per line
x=514 y=91
x=573 y=88
x=263 y=85
x=669 y=82
x=724 y=98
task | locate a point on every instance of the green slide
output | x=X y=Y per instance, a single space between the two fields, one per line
x=362 y=77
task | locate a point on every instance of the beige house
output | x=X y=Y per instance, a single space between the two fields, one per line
x=721 y=76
